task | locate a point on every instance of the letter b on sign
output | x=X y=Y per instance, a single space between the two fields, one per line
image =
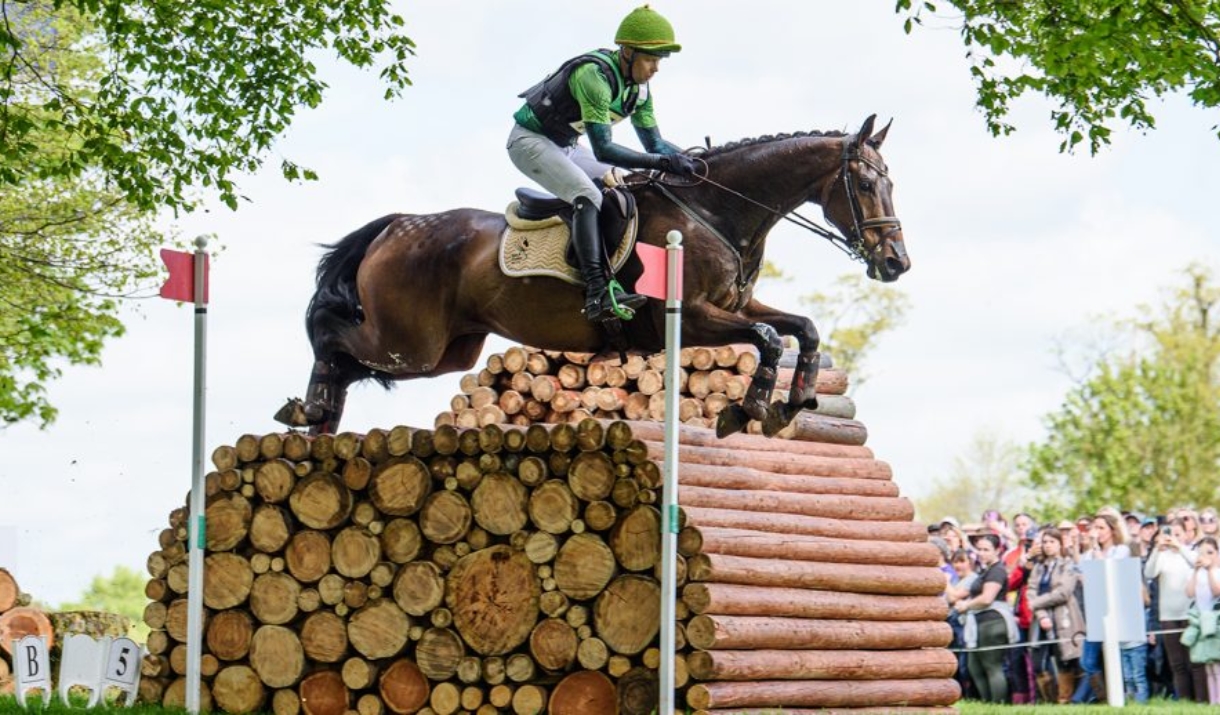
x=33 y=670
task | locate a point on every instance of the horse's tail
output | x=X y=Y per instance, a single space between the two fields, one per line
x=335 y=306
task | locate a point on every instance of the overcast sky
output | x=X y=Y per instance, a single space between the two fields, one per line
x=1014 y=246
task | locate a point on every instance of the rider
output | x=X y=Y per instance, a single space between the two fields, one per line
x=585 y=96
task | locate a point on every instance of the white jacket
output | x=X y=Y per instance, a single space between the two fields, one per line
x=1172 y=568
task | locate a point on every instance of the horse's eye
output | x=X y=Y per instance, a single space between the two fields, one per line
x=866 y=186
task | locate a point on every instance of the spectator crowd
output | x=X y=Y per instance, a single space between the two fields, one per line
x=1016 y=604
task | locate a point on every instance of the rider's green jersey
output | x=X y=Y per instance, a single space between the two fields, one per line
x=597 y=104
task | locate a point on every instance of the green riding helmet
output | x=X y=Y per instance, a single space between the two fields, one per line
x=645 y=30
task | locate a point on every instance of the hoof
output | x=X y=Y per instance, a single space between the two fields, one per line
x=732 y=419
x=295 y=413
x=777 y=418
x=756 y=409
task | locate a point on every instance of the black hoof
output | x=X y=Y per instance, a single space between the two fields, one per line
x=777 y=418
x=756 y=409
x=732 y=420
x=295 y=413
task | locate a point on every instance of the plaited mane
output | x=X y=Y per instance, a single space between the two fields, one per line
x=764 y=139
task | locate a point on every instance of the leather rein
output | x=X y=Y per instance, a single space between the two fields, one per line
x=853 y=246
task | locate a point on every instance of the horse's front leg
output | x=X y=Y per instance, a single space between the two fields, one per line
x=708 y=325
x=322 y=407
x=802 y=394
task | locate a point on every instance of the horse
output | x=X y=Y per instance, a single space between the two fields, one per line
x=413 y=296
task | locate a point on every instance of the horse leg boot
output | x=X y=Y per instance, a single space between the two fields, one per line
x=586 y=239
x=801 y=396
x=323 y=403
x=735 y=418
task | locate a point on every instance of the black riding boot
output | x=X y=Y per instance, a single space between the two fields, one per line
x=586 y=238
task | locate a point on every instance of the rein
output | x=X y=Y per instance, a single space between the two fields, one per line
x=853 y=247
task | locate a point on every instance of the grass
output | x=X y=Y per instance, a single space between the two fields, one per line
x=1154 y=707
x=9 y=706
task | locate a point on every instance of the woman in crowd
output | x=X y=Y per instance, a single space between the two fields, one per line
x=1202 y=634
x=1107 y=540
x=989 y=622
x=1190 y=520
x=953 y=536
x=1172 y=564
x=963 y=565
x=1057 y=616
x=1207 y=522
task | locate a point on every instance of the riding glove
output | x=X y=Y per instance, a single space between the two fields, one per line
x=679 y=164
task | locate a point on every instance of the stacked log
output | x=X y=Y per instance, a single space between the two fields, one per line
x=483 y=570
x=17 y=620
x=481 y=567
x=525 y=386
x=797 y=573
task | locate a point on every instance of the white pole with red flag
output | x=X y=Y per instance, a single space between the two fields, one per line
x=193 y=286
x=669 y=489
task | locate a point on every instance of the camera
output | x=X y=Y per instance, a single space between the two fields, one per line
x=1166 y=531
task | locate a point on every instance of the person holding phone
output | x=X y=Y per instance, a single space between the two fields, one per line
x=1171 y=564
x=1202 y=634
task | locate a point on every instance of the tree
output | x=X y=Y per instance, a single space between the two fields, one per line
x=1142 y=430
x=188 y=93
x=69 y=244
x=116 y=109
x=987 y=476
x=1098 y=60
x=852 y=315
x=121 y=593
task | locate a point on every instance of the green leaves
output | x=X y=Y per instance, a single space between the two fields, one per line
x=114 y=110
x=1144 y=430
x=180 y=95
x=1098 y=60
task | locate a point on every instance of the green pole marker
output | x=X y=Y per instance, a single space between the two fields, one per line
x=673 y=518
x=201 y=532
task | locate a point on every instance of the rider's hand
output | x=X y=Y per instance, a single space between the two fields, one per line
x=679 y=164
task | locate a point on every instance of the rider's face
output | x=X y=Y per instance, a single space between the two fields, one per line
x=644 y=66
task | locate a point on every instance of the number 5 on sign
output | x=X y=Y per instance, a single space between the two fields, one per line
x=123 y=667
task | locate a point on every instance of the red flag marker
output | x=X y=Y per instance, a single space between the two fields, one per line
x=181 y=282
x=652 y=280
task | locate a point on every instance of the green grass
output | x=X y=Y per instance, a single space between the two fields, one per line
x=1156 y=707
x=9 y=706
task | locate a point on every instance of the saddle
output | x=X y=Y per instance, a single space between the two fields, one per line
x=536 y=241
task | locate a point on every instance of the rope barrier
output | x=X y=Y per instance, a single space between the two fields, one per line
x=1035 y=644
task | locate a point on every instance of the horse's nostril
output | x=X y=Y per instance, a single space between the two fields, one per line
x=893 y=265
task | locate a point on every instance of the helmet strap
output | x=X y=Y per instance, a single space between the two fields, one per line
x=628 y=55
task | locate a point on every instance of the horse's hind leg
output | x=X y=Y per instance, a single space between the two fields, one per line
x=325 y=397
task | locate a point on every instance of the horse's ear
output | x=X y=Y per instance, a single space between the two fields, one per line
x=866 y=131
x=876 y=140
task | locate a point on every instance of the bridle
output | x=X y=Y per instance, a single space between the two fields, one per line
x=853 y=246
x=859 y=223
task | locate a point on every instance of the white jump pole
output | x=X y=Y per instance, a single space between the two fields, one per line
x=669 y=490
x=197 y=528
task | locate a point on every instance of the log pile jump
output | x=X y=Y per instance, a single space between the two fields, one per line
x=17 y=620
x=507 y=560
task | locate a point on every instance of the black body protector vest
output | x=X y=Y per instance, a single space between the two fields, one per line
x=557 y=110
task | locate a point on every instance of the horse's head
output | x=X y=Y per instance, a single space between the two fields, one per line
x=858 y=202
